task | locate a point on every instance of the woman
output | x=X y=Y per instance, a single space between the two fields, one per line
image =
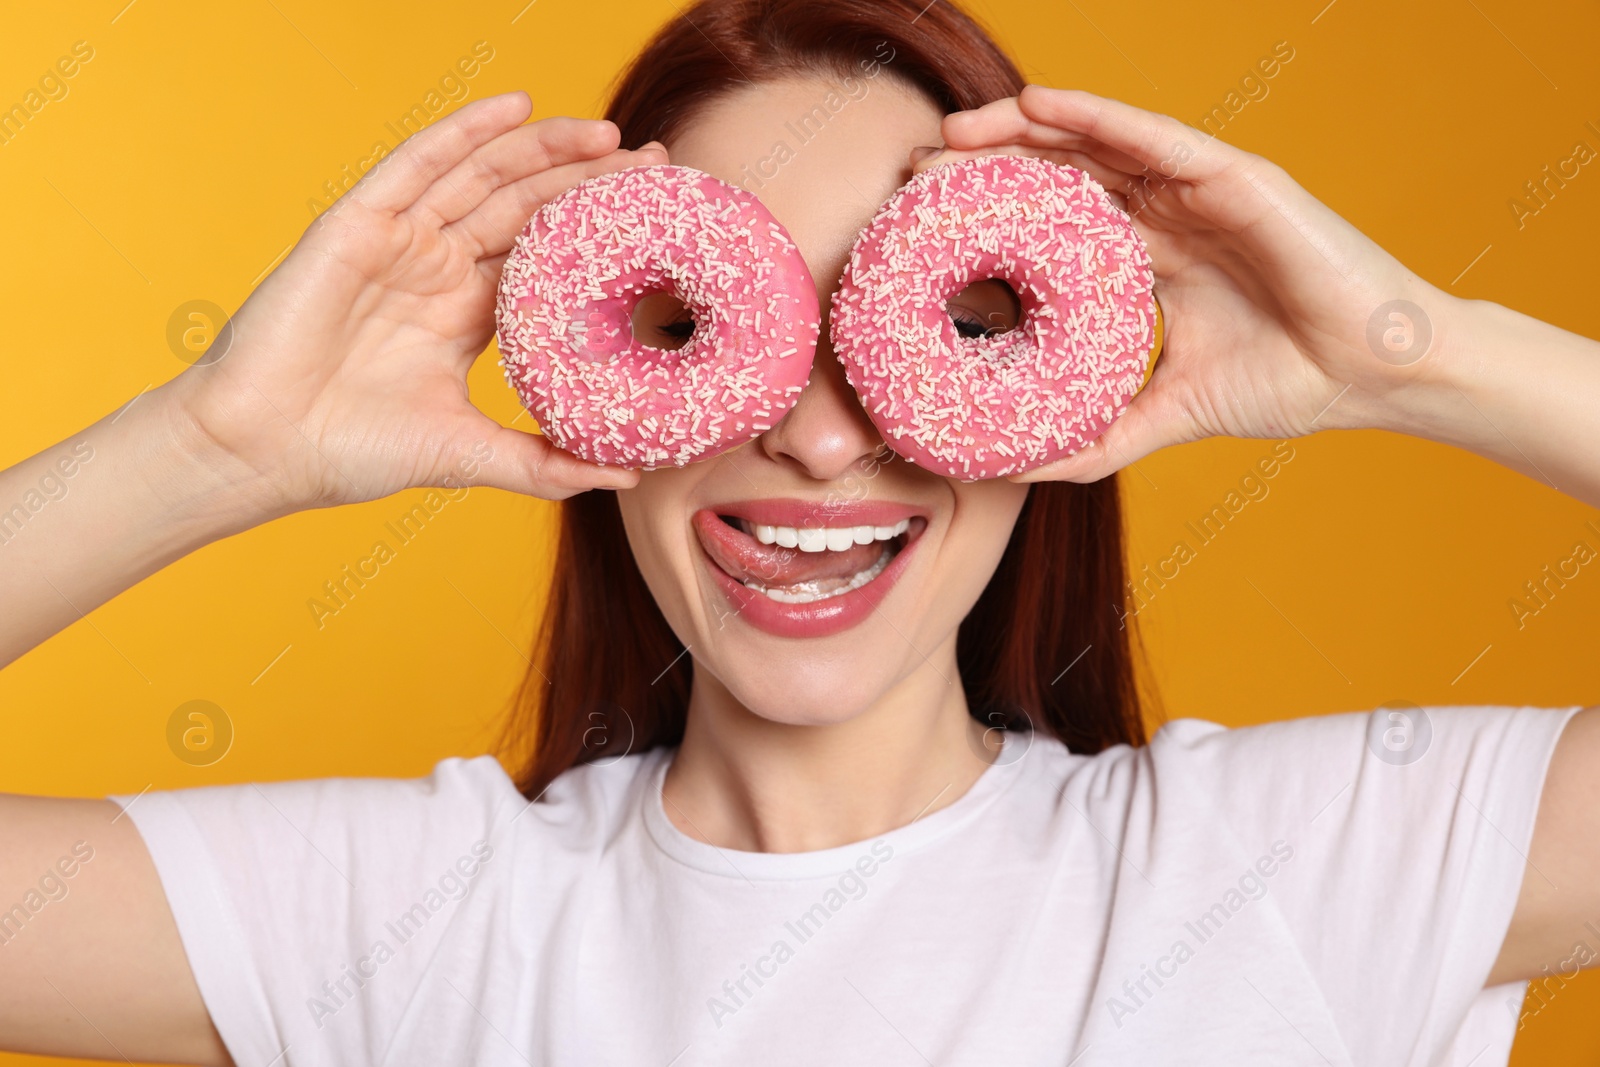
x=817 y=847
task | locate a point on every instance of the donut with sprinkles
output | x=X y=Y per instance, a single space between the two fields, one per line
x=1003 y=403
x=565 y=304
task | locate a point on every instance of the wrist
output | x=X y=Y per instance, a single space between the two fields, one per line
x=200 y=485
x=1505 y=386
x=143 y=492
x=1440 y=394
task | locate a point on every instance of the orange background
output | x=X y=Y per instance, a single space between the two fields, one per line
x=179 y=165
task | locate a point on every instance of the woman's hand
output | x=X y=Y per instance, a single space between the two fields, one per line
x=1266 y=293
x=345 y=379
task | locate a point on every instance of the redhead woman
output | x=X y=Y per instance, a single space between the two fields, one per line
x=911 y=822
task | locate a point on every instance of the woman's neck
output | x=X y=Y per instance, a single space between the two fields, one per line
x=743 y=782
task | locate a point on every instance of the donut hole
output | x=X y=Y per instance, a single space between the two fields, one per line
x=661 y=320
x=985 y=308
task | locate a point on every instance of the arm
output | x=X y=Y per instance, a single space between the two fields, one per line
x=146 y=488
x=1278 y=325
x=1508 y=387
x=92 y=964
x=343 y=379
x=1558 y=907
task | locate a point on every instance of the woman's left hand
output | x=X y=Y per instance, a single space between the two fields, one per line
x=1266 y=293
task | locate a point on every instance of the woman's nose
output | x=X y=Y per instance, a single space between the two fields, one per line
x=826 y=432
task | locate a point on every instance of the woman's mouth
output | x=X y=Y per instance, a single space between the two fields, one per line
x=799 y=568
x=800 y=565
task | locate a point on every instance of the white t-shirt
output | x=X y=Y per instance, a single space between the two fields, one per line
x=1324 y=891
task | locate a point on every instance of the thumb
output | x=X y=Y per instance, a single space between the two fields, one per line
x=1152 y=420
x=528 y=463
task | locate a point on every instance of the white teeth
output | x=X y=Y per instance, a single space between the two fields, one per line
x=807 y=592
x=839 y=540
x=822 y=538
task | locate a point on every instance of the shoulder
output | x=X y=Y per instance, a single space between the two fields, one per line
x=1397 y=749
x=590 y=803
x=1398 y=753
x=1395 y=734
x=331 y=825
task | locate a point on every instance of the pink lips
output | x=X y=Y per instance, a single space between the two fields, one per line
x=737 y=550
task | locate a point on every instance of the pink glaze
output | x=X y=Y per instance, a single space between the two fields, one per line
x=972 y=408
x=565 y=307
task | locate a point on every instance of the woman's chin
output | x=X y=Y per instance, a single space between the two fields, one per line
x=800 y=694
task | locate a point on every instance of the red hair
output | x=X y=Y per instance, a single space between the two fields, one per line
x=1044 y=646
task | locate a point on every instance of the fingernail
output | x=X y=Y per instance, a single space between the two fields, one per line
x=653 y=146
x=923 y=153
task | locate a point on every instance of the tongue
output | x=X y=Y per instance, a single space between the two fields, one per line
x=747 y=559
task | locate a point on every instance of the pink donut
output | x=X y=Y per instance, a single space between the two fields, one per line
x=985 y=407
x=565 y=307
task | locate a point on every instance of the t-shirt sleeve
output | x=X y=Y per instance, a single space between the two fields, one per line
x=1407 y=832
x=309 y=909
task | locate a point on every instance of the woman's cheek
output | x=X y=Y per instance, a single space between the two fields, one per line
x=985 y=515
x=656 y=516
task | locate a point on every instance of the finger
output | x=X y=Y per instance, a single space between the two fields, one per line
x=1237 y=192
x=1152 y=420
x=490 y=267
x=995 y=124
x=401 y=176
x=528 y=463
x=1158 y=142
x=1004 y=122
x=512 y=156
x=491 y=228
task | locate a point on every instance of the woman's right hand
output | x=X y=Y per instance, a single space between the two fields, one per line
x=345 y=379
